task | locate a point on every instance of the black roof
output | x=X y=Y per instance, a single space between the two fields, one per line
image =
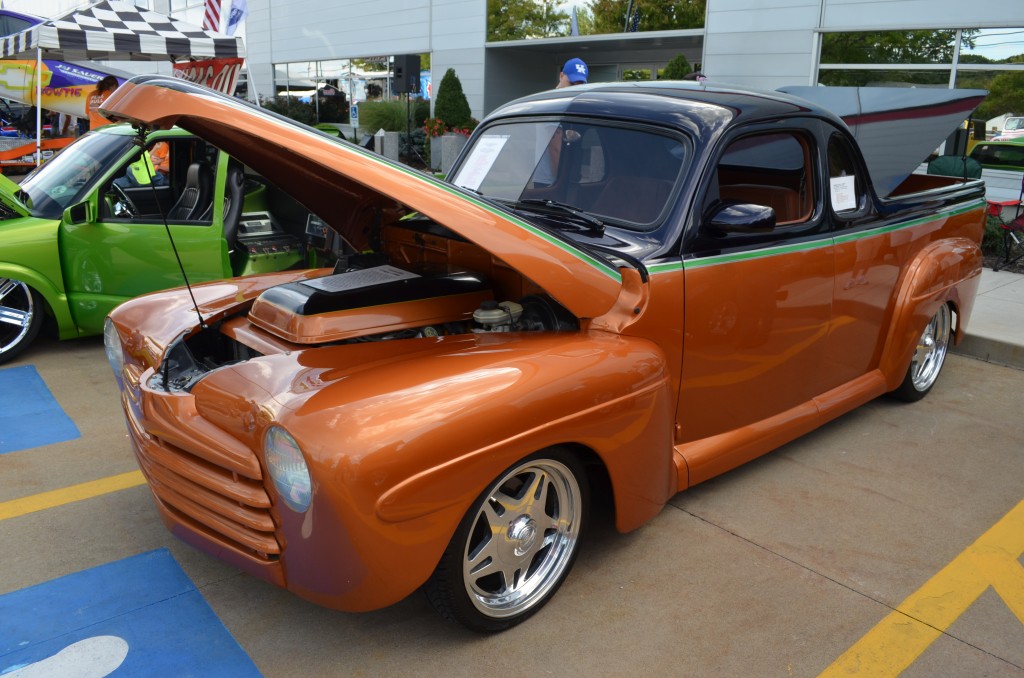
x=671 y=102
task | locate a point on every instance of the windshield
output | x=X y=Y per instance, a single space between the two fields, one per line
x=66 y=178
x=1013 y=124
x=621 y=174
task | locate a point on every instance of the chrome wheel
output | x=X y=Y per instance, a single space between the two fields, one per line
x=515 y=547
x=929 y=356
x=20 y=317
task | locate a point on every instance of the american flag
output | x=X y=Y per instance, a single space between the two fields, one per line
x=634 y=22
x=211 y=20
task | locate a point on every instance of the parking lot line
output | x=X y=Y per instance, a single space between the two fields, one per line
x=899 y=639
x=67 y=495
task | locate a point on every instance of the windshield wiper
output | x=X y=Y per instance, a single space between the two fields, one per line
x=596 y=225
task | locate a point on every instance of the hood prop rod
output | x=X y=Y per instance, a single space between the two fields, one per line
x=142 y=131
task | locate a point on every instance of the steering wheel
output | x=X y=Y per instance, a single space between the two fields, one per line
x=126 y=202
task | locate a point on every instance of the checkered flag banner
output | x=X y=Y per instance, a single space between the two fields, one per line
x=114 y=30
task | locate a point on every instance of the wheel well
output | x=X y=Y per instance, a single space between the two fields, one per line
x=50 y=328
x=955 y=320
x=602 y=494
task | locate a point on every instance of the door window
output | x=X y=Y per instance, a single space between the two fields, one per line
x=773 y=170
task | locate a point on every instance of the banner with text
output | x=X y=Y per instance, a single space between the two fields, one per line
x=219 y=74
x=65 y=86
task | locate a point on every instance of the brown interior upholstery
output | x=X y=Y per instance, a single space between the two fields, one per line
x=785 y=201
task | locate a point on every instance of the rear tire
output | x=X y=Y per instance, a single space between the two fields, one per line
x=515 y=546
x=21 y=317
x=929 y=356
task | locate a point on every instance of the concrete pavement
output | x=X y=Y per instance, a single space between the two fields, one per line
x=995 y=332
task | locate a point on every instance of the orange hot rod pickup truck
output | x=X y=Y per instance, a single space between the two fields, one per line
x=620 y=291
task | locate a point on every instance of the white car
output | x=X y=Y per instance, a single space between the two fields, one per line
x=1012 y=128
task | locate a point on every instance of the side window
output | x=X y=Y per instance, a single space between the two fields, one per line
x=846 y=189
x=772 y=169
x=173 y=179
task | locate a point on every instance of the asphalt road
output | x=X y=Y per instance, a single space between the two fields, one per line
x=792 y=565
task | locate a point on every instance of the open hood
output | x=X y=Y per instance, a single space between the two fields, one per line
x=895 y=127
x=9 y=196
x=317 y=171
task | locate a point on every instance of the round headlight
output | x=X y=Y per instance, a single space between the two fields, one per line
x=287 y=469
x=112 y=346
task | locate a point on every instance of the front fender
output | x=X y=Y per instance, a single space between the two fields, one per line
x=947 y=271
x=399 y=452
x=52 y=292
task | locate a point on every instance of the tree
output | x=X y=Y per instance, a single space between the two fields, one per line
x=676 y=69
x=519 y=19
x=1006 y=95
x=892 y=47
x=451 y=104
x=654 y=15
x=585 y=21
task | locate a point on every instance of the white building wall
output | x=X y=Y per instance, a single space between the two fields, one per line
x=891 y=14
x=757 y=44
x=771 y=44
x=452 y=31
x=457 y=41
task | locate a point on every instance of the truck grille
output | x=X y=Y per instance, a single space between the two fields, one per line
x=208 y=497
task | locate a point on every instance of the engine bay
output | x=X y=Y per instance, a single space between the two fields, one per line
x=424 y=283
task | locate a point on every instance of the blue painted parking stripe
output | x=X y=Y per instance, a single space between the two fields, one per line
x=29 y=414
x=140 y=616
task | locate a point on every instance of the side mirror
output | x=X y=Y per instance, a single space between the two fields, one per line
x=81 y=213
x=745 y=218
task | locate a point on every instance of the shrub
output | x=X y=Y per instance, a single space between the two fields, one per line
x=331 y=109
x=992 y=241
x=420 y=112
x=451 y=104
x=387 y=115
x=299 y=111
x=676 y=69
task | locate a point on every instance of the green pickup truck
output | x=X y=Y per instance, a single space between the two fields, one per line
x=77 y=238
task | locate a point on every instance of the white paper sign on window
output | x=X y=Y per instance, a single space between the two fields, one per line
x=843 y=195
x=479 y=163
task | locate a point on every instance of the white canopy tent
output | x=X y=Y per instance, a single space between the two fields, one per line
x=112 y=30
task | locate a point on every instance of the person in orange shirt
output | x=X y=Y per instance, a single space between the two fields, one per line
x=104 y=88
x=160 y=155
x=150 y=168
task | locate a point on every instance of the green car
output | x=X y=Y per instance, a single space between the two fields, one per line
x=1001 y=155
x=78 y=236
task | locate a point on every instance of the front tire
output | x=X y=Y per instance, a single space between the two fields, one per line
x=928 y=358
x=515 y=546
x=21 y=316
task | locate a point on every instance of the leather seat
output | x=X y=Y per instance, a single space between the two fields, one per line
x=195 y=196
x=785 y=201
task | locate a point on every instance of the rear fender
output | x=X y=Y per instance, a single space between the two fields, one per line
x=947 y=271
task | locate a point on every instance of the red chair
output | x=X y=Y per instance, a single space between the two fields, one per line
x=1011 y=217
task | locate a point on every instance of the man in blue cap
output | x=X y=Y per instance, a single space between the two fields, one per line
x=574 y=72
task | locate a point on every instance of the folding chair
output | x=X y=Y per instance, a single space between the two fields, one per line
x=1010 y=214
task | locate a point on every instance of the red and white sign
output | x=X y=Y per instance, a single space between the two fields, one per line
x=218 y=74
